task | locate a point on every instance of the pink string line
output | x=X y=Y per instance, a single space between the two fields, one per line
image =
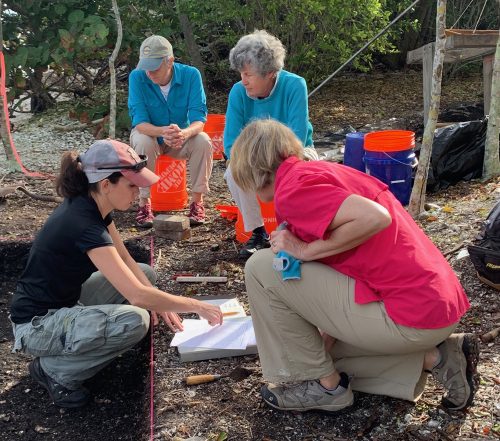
x=151 y=358
x=3 y=92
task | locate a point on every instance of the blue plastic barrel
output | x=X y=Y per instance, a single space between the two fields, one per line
x=393 y=168
x=354 y=151
x=390 y=158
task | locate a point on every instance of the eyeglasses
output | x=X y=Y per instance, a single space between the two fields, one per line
x=136 y=167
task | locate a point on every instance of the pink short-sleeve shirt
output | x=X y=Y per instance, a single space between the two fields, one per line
x=398 y=266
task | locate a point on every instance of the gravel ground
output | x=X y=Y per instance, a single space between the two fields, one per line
x=41 y=140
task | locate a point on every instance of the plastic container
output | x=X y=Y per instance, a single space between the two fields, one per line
x=229 y=212
x=354 y=150
x=214 y=127
x=169 y=193
x=389 y=157
x=268 y=215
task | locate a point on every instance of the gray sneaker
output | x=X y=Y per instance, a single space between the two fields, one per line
x=309 y=395
x=457 y=370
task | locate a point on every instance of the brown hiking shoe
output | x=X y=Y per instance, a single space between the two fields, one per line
x=457 y=370
x=308 y=395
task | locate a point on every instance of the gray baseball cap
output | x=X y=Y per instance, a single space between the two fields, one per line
x=153 y=50
x=106 y=156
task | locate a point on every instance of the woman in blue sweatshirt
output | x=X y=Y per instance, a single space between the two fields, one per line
x=265 y=91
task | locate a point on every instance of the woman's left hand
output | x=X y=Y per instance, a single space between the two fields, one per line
x=284 y=240
x=172 y=319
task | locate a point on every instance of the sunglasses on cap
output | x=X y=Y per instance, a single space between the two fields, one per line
x=136 y=167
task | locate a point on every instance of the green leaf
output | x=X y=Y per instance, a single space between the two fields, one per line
x=21 y=57
x=67 y=39
x=59 y=9
x=102 y=30
x=76 y=16
x=93 y=19
x=222 y=436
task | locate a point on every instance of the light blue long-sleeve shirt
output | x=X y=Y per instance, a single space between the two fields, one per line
x=287 y=103
x=185 y=104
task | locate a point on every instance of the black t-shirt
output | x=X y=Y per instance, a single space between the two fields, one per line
x=58 y=263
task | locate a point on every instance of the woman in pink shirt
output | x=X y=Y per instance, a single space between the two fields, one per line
x=373 y=306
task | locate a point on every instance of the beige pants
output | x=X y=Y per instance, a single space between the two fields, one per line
x=382 y=357
x=197 y=150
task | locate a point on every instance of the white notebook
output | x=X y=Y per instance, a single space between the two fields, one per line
x=200 y=341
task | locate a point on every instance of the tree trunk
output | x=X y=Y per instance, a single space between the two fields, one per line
x=414 y=38
x=41 y=99
x=192 y=47
x=112 y=73
x=417 y=198
x=491 y=164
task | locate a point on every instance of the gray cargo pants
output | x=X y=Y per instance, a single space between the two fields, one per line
x=75 y=343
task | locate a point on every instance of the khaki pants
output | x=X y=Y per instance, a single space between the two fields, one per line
x=197 y=150
x=247 y=203
x=382 y=357
x=75 y=343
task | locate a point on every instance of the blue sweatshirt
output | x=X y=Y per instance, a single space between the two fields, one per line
x=287 y=103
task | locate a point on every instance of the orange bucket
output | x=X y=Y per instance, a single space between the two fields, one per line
x=214 y=127
x=268 y=215
x=169 y=193
x=229 y=212
x=389 y=141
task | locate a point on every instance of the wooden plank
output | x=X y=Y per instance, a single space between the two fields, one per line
x=473 y=40
x=200 y=279
x=451 y=55
x=487 y=77
x=464 y=54
x=471 y=31
x=416 y=55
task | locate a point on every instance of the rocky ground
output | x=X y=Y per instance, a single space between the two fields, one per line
x=229 y=409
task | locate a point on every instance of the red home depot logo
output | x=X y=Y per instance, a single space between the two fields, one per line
x=172 y=177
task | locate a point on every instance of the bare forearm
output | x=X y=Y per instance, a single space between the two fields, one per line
x=343 y=238
x=149 y=129
x=193 y=129
x=153 y=299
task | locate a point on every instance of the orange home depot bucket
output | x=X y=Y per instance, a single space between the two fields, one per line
x=169 y=193
x=214 y=127
x=268 y=215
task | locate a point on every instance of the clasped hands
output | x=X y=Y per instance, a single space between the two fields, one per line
x=173 y=136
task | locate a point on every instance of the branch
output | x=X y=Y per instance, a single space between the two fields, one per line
x=417 y=198
x=9 y=190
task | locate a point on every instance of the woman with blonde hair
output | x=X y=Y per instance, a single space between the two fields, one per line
x=266 y=90
x=375 y=305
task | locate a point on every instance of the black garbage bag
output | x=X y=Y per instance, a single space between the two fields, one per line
x=457 y=154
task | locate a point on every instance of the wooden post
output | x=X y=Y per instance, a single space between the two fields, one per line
x=487 y=77
x=491 y=164
x=112 y=74
x=417 y=198
x=427 y=59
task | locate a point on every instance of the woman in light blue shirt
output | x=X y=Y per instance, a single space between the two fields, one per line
x=265 y=91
